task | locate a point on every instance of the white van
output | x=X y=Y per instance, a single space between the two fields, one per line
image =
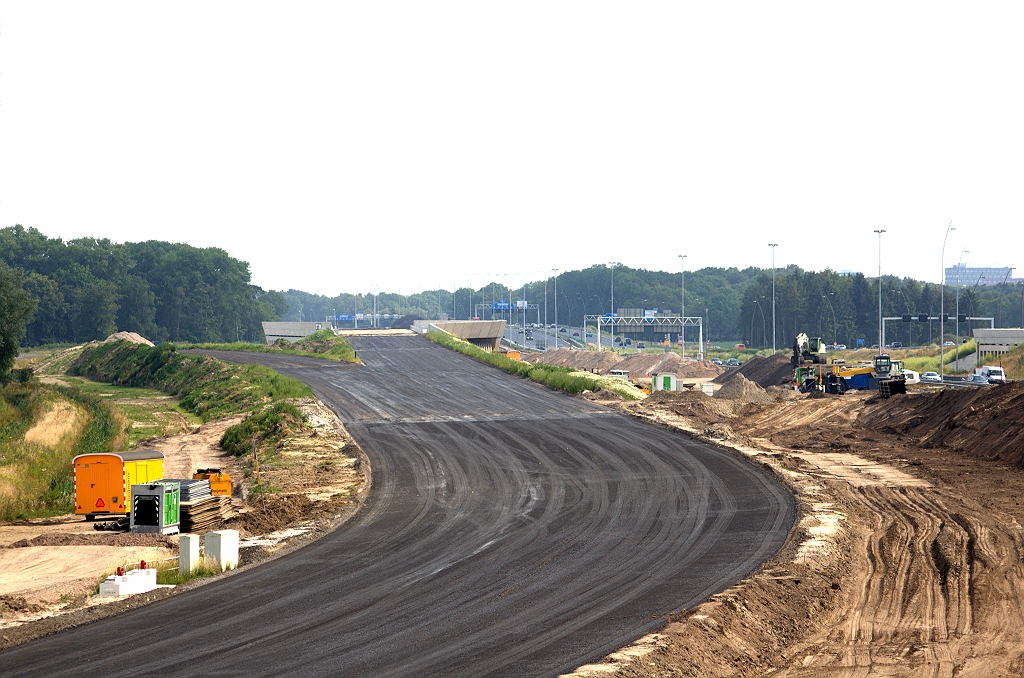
x=994 y=374
x=912 y=377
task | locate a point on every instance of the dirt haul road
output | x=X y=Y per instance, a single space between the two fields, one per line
x=509 y=529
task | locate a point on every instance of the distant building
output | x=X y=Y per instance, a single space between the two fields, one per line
x=965 y=275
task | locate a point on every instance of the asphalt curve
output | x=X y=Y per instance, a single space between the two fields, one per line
x=509 y=530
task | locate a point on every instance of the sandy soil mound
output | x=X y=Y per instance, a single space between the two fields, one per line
x=646 y=364
x=686 y=404
x=580 y=360
x=742 y=389
x=762 y=371
x=983 y=422
x=128 y=336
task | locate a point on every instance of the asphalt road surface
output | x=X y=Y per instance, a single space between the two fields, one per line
x=510 y=530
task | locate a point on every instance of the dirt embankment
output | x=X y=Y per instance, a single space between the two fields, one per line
x=591 y=361
x=765 y=372
x=908 y=558
x=645 y=364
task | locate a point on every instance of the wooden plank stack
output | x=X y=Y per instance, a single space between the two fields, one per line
x=208 y=513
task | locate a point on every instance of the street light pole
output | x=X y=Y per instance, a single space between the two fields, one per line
x=555 y=271
x=880 y=232
x=613 y=264
x=959 y=284
x=773 y=245
x=942 y=305
x=682 y=305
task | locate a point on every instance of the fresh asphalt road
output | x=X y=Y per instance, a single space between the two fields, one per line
x=509 y=530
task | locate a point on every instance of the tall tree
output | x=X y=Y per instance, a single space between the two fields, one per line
x=16 y=308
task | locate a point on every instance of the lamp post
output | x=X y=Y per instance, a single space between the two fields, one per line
x=880 y=232
x=682 y=305
x=942 y=305
x=613 y=264
x=555 y=271
x=959 y=277
x=773 y=245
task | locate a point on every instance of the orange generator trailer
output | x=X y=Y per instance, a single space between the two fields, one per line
x=103 y=481
x=220 y=483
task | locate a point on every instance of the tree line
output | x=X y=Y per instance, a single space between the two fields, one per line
x=735 y=304
x=86 y=289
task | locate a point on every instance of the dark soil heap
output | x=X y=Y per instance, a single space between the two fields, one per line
x=645 y=364
x=985 y=422
x=762 y=371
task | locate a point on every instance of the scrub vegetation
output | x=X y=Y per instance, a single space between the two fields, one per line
x=568 y=380
x=208 y=388
x=322 y=344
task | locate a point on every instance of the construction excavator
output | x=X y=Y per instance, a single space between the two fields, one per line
x=808 y=351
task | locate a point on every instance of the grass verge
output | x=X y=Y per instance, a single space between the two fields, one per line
x=209 y=388
x=35 y=470
x=563 y=378
x=322 y=344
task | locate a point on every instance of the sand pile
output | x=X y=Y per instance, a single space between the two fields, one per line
x=646 y=364
x=687 y=404
x=984 y=422
x=742 y=389
x=128 y=336
x=580 y=360
x=762 y=371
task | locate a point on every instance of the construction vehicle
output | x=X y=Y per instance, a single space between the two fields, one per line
x=808 y=350
x=883 y=375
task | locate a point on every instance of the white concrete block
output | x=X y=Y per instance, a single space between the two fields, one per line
x=222 y=547
x=188 y=552
x=136 y=581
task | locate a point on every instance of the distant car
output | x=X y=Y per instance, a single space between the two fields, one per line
x=629 y=342
x=948 y=343
x=717 y=361
x=575 y=334
x=563 y=331
x=931 y=378
x=841 y=347
x=733 y=362
x=641 y=344
x=977 y=380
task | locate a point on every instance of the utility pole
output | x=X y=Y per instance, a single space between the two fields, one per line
x=942 y=306
x=611 y=322
x=555 y=271
x=880 y=232
x=773 y=245
x=682 y=305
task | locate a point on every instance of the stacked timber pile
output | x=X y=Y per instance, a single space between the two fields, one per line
x=209 y=513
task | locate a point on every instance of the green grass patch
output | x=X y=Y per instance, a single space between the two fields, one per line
x=268 y=426
x=321 y=344
x=169 y=573
x=36 y=478
x=565 y=379
x=208 y=388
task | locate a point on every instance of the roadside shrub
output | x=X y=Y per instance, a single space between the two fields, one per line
x=208 y=387
x=268 y=426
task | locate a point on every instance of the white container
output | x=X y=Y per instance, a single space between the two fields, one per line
x=188 y=553
x=222 y=547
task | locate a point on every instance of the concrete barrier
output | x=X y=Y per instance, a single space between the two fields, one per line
x=188 y=553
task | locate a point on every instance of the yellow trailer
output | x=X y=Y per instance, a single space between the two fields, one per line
x=103 y=481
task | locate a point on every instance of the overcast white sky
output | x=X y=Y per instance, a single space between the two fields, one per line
x=337 y=146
